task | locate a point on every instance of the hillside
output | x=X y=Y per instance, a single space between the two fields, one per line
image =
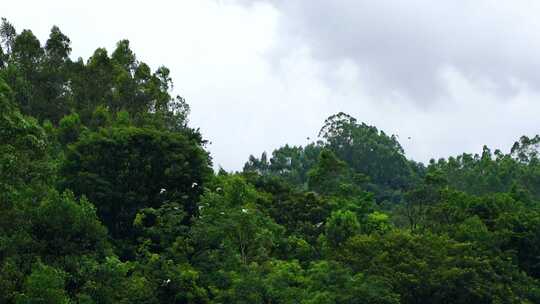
x=107 y=195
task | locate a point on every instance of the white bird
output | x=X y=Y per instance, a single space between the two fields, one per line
x=194 y=185
x=318 y=224
x=167 y=281
x=162 y=191
x=244 y=210
x=218 y=189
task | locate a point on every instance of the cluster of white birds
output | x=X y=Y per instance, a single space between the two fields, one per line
x=200 y=207
x=163 y=190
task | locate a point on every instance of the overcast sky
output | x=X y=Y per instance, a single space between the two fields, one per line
x=451 y=75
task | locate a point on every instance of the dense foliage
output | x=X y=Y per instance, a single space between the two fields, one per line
x=108 y=196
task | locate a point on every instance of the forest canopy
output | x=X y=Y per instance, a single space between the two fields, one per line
x=107 y=195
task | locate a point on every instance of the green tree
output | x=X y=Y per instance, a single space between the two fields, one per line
x=341 y=226
x=435 y=269
x=70 y=129
x=332 y=176
x=63 y=226
x=331 y=282
x=23 y=152
x=231 y=229
x=44 y=286
x=125 y=169
x=367 y=150
x=301 y=213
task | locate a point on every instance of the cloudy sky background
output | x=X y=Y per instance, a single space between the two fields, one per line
x=451 y=75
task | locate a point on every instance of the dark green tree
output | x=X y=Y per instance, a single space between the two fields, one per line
x=125 y=169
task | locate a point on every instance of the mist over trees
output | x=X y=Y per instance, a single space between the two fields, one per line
x=107 y=195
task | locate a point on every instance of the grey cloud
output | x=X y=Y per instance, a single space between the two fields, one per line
x=402 y=46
